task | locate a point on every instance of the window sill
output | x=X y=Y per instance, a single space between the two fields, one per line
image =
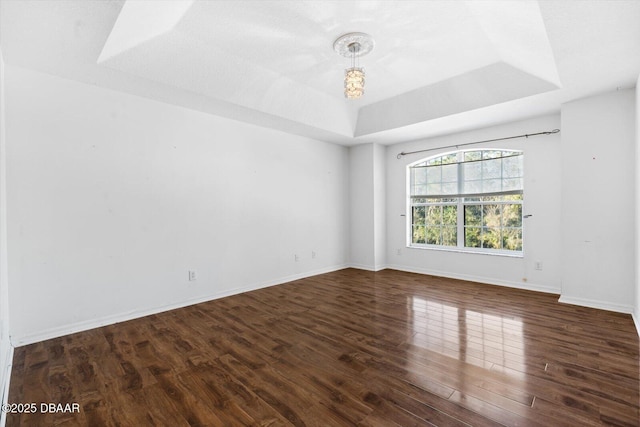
x=510 y=254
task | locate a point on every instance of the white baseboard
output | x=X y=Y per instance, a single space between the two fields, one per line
x=636 y=320
x=367 y=267
x=123 y=317
x=602 y=305
x=6 y=382
x=60 y=331
x=478 y=279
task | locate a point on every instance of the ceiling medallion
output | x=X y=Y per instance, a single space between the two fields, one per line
x=353 y=45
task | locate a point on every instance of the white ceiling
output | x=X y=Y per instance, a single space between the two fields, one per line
x=437 y=67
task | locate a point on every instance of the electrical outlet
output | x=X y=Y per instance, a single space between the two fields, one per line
x=399 y=252
x=313 y=255
x=538 y=265
x=192 y=275
x=296 y=258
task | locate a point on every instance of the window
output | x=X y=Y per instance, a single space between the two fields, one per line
x=470 y=200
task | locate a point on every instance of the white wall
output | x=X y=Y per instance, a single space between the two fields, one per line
x=361 y=207
x=367 y=206
x=379 y=206
x=636 y=313
x=112 y=198
x=598 y=201
x=6 y=350
x=542 y=232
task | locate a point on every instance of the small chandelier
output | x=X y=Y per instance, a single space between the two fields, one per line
x=354 y=76
x=353 y=46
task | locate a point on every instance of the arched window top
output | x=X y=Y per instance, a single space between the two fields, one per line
x=468 y=173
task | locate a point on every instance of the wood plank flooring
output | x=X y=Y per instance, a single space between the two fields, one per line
x=349 y=348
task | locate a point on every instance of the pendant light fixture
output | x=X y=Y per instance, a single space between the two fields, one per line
x=353 y=46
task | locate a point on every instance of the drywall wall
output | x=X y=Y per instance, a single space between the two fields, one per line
x=113 y=198
x=598 y=201
x=6 y=350
x=361 y=207
x=542 y=231
x=636 y=313
x=379 y=206
x=367 y=232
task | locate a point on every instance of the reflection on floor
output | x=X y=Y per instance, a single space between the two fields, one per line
x=345 y=348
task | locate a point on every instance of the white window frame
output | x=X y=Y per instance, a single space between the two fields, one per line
x=460 y=203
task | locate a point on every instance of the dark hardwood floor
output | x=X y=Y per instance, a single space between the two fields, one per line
x=340 y=349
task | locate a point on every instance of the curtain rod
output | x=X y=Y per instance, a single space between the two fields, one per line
x=527 y=135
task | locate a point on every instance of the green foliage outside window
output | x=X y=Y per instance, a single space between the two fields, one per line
x=494 y=226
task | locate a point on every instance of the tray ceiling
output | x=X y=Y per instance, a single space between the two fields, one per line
x=437 y=66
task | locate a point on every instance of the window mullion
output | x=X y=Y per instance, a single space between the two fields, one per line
x=460 y=224
x=460 y=208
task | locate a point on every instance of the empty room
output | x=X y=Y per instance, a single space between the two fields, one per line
x=319 y=213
